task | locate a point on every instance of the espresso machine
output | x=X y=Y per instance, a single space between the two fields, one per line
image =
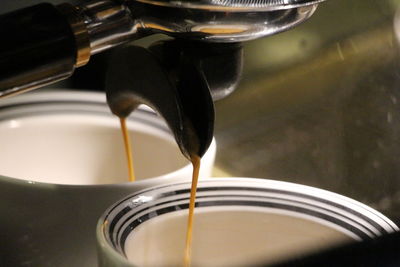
x=46 y=43
x=207 y=37
x=57 y=39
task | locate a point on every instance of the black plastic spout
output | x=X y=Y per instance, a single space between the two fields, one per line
x=135 y=76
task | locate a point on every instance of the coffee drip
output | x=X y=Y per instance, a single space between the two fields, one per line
x=128 y=149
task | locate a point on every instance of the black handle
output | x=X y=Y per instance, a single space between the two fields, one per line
x=37 y=47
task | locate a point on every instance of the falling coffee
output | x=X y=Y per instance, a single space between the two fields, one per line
x=128 y=148
x=189 y=231
x=195 y=177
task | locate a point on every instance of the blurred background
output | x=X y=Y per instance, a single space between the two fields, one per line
x=318 y=105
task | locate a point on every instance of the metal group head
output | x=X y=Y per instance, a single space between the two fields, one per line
x=221 y=20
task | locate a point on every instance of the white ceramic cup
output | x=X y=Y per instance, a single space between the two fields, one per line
x=237 y=222
x=63 y=163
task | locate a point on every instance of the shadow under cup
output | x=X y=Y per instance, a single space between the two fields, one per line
x=238 y=222
x=63 y=163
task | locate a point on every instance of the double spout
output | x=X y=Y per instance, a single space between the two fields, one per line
x=176 y=79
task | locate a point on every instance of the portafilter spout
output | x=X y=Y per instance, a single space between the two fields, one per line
x=136 y=76
x=179 y=79
x=43 y=44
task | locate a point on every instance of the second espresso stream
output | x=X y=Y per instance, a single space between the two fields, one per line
x=128 y=149
x=195 y=176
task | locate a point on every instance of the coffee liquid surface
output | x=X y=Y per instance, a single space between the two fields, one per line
x=128 y=149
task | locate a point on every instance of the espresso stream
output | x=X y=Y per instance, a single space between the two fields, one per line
x=195 y=177
x=128 y=149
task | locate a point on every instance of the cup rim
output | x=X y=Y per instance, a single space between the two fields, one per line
x=61 y=95
x=318 y=194
x=85 y=97
x=163 y=178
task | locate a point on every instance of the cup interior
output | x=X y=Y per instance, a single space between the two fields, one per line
x=83 y=149
x=72 y=138
x=238 y=221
